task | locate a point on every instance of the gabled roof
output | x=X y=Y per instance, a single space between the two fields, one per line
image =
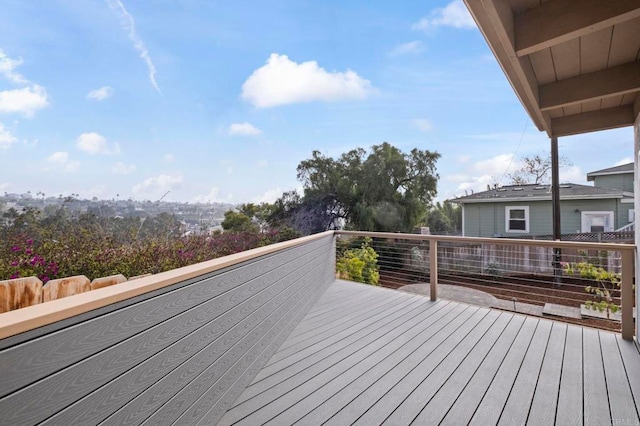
x=533 y=192
x=617 y=170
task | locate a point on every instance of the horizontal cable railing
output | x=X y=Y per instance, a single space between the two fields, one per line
x=580 y=282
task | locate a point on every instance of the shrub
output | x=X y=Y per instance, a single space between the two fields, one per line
x=359 y=264
x=606 y=282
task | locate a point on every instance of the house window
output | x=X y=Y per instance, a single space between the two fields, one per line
x=597 y=221
x=517 y=219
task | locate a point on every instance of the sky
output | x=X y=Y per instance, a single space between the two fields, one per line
x=219 y=101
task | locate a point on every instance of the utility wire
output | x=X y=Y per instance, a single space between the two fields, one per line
x=526 y=124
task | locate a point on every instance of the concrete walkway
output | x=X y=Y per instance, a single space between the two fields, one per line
x=474 y=297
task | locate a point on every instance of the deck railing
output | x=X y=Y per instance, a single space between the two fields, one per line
x=181 y=345
x=581 y=282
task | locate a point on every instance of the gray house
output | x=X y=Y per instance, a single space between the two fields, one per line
x=526 y=210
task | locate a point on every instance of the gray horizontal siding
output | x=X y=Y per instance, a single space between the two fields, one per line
x=184 y=353
x=488 y=219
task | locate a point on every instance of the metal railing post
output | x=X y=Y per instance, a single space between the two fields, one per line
x=433 y=269
x=626 y=293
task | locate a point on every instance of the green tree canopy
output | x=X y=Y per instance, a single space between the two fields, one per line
x=383 y=190
x=238 y=222
x=444 y=217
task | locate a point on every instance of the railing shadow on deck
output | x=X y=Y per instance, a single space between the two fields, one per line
x=581 y=282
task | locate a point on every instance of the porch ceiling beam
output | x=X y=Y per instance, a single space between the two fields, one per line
x=592 y=121
x=618 y=80
x=557 y=21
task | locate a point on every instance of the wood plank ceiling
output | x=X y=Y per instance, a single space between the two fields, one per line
x=574 y=64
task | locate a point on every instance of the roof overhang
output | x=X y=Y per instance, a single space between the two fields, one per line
x=574 y=64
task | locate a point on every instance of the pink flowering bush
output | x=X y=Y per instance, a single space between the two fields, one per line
x=57 y=249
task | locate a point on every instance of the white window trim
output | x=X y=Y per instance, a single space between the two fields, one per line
x=507 y=210
x=585 y=214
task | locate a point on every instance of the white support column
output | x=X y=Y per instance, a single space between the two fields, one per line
x=636 y=195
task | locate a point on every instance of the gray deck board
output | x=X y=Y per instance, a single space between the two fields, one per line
x=596 y=407
x=362 y=318
x=462 y=410
x=444 y=398
x=620 y=397
x=631 y=362
x=417 y=407
x=330 y=367
x=348 y=393
x=570 y=397
x=545 y=398
x=332 y=348
x=366 y=355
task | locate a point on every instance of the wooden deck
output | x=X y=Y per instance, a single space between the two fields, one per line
x=367 y=355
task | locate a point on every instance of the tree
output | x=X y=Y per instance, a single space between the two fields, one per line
x=536 y=169
x=445 y=217
x=238 y=222
x=384 y=190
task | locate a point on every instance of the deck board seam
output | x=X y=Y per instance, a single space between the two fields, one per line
x=402 y=378
x=506 y=352
x=397 y=363
x=606 y=383
x=427 y=326
x=464 y=359
x=515 y=377
x=626 y=373
x=447 y=356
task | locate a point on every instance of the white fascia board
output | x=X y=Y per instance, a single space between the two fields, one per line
x=524 y=199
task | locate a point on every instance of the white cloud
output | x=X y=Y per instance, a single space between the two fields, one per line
x=121 y=168
x=7 y=67
x=412 y=47
x=61 y=161
x=476 y=176
x=572 y=174
x=282 y=81
x=263 y=163
x=25 y=101
x=4 y=187
x=169 y=157
x=422 y=124
x=625 y=160
x=455 y=15
x=212 y=196
x=6 y=138
x=244 y=129
x=128 y=24
x=268 y=197
x=154 y=188
x=100 y=94
x=59 y=157
x=94 y=143
x=464 y=158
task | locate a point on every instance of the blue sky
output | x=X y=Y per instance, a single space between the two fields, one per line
x=220 y=101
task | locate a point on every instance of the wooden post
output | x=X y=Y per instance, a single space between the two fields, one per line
x=555 y=197
x=626 y=293
x=433 y=269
